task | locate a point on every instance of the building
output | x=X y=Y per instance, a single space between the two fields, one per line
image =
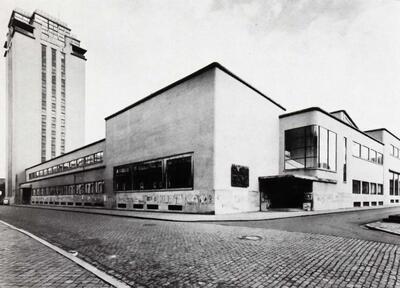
x=45 y=73
x=212 y=143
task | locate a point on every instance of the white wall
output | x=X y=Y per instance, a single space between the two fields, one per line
x=25 y=107
x=246 y=133
x=75 y=102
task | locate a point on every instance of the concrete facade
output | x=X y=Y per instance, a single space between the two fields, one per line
x=45 y=94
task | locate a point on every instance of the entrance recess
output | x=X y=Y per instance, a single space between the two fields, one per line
x=285 y=191
x=26 y=195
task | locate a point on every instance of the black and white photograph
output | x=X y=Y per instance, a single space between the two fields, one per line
x=212 y=143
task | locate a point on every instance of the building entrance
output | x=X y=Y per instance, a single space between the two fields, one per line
x=26 y=195
x=285 y=191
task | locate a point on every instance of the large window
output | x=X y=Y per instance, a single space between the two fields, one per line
x=167 y=173
x=310 y=147
x=394 y=183
x=123 y=178
x=148 y=175
x=345 y=159
x=179 y=172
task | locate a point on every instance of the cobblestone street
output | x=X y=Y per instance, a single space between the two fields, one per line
x=27 y=263
x=168 y=254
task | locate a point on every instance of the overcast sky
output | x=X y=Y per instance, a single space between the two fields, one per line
x=332 y=54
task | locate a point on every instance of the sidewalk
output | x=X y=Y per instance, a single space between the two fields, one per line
x=392 y=228
x=27 y=263
x=184 y=217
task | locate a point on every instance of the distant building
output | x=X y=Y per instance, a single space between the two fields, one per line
x=45 y=70
x=212 y=143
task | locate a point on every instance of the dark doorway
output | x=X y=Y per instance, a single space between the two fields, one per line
x=26 y=195
x=285 y=192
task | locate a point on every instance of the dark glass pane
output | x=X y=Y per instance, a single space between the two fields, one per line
x=179 y=172
x=148 y=176
x=323 y=148
x=332 y=151
x=356 y=187
x=365 y=188
x=122 y=178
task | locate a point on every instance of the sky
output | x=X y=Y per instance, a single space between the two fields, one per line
x=336 y=54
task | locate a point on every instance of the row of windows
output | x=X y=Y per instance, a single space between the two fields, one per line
x=62 y=148
x=167 y=173
x=366 y=153
x=53 y=101
x=310 y=147
x=66 y=166
x=44 y=104
x=394 y=186
x=74 y=189
x=366 y=203
x=367 y=188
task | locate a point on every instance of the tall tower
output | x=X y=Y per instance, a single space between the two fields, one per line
x=45 y=75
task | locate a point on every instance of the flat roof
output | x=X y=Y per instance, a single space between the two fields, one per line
x=188 y=77
x=297 y=176
x=383 y=129
x=329 y=115
x=70 y=152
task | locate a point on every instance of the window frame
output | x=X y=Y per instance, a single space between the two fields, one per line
x=164 y=175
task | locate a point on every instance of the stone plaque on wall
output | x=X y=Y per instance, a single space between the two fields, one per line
x=239 y=176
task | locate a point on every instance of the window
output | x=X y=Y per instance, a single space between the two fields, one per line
x=380 y=189
x=365 y=152
x=356 y=149
x=373 y=156
x=356 y=187
x=396 y=184
x=331 y=150
x=373 y=188
x=365 y=187
x=380 y=158
x=80 y=162
x=66 y=166
x=345 y=159
x=98 y=157
x=179 y=172
x=391 y=186
x=310 y=147
x=148 y=175
x=89 y=159
x=239 y=176
x=123 y=178
x=72 y=164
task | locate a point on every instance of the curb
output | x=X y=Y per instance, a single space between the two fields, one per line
x=109 y=212
x=381 y=229
x=85 y=265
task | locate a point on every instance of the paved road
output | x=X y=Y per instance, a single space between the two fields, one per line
x=27 y=263
x=148 y=253
x=348 y=224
